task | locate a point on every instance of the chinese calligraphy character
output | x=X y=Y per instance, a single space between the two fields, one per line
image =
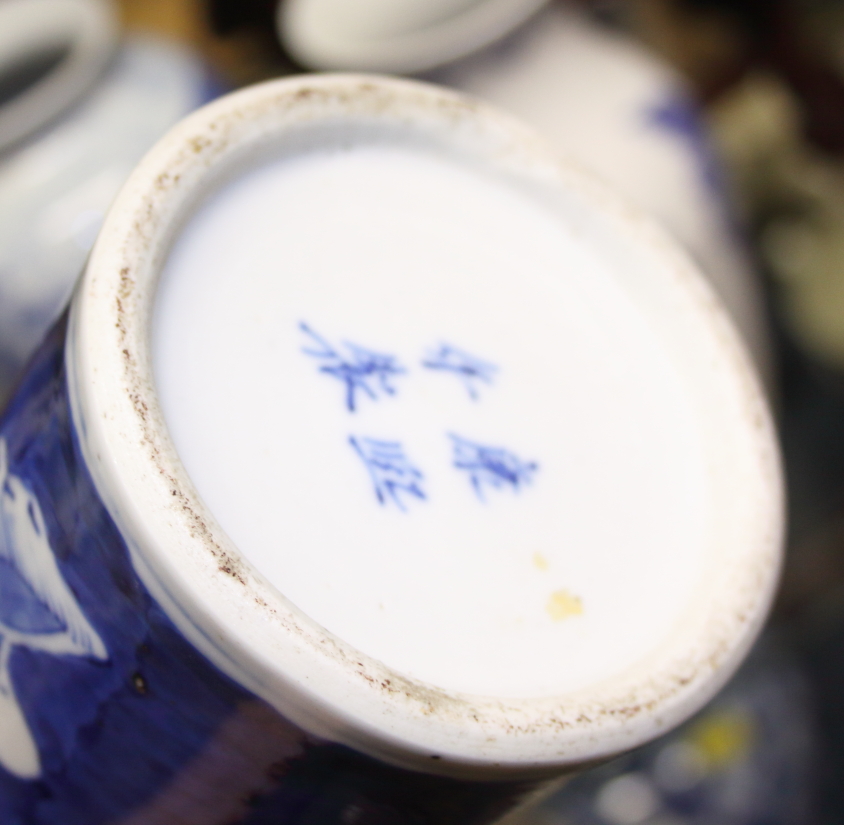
x=390 y=470
x=468 y=368
x=359 y=369
x=491 y=466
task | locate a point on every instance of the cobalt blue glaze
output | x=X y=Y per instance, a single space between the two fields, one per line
x=390 y=470
x=361 y=370
x=491 y=466
x=131 y=724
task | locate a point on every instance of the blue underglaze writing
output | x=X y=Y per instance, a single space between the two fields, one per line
x=468 y=368
x=361 y=370
x=391 y=472
x=491 y=466
x=394 y=477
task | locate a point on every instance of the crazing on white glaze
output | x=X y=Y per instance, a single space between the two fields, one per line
x=227 y=607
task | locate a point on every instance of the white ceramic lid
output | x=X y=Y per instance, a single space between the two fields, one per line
x=71 y=41
x=401 y=36
x=421 y=435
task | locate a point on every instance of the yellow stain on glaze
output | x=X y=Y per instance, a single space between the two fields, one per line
x=540 y=562
x=562 y=605
x=724 y=737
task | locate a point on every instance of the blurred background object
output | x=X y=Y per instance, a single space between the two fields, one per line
x=51 y=52
x=772 y=74
x=397 y=36
x=238 y=39
x=80 y=107
x=749 y=757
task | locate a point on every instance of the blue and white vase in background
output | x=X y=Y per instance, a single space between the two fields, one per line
x=384 y=470
x=80 y=109
x=601 y=97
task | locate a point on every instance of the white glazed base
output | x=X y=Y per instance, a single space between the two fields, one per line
x=511 y=591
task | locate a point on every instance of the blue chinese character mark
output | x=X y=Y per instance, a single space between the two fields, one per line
x=391 y=472
x=467 y=367
x=491 y=466
x=360 y=369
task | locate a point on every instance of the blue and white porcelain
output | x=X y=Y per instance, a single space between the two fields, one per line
x=68 y=151
x=383 y=470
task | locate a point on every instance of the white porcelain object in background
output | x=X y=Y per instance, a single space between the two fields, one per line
x=61 y=45
x=401 y=36
x=56 y=186
x=622 y=113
